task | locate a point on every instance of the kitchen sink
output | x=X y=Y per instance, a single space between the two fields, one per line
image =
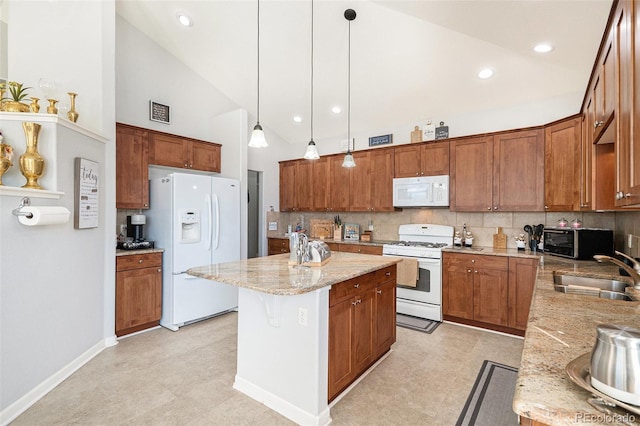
x=589 y=286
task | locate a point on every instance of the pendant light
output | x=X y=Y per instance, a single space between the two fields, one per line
x=312 y=150
x=349 y=15
x=257 y=136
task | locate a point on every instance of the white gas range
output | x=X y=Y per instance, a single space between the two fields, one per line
x=424 y=242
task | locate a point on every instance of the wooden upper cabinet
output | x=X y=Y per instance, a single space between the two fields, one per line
x=185 y=153
x=303 y=187
x=339 y=184
x=627 y=146
x=471 y=162
x=287 y=186
x=603 y=89
x=518 y=171
x=424 y=159
x=562 y=146
x=321 y=194
x=371 y=181
x=132 y=172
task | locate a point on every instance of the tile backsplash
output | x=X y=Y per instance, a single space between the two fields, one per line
x=481 y=225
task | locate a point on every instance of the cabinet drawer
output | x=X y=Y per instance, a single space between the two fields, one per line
x=137 y=261
x=381 y=276
x=362 y=249
x=350 y=288
x=456 y=260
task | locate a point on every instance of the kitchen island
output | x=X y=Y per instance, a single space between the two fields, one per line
x=285 y=326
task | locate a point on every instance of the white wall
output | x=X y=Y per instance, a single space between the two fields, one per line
x=56 y=280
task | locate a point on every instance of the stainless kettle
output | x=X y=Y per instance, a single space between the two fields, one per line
x=615 y=362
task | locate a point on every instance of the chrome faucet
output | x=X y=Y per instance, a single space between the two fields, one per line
x=635 y=276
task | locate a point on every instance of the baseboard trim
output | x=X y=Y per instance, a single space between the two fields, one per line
x=23 y=403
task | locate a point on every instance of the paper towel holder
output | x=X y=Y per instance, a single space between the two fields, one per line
x=26 y=201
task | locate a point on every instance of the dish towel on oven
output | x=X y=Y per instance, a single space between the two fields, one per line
x=408 y=272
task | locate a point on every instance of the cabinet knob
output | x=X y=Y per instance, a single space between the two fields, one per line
x=139 y=260
x=417 y=173
x=475 y=271
x=356 y=285
x=146 y=205
x=627 y=195
x=597 y=124
x=379 y=291
x=546 y=207
x=473 y=261
x=186 y=165
x=489 y=208
x=191 y=166
x=468 y=270
x=388 y=274
x=495 y=207
x=159 y=270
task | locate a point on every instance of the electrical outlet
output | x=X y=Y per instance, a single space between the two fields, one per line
x=123 y=229
x=630 y=240
x=302 y=316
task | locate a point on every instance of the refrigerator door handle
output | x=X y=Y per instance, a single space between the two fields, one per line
x=208 y=198
x=215 y=196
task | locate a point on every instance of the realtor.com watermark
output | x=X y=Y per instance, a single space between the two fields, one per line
x=605 y=418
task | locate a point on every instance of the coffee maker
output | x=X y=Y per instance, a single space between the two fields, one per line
x=135 y=227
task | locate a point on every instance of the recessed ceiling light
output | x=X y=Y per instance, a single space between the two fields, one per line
x=184 y=19
x=297 y=119
x=543 y=48
x=336 y=110
x=485 y=73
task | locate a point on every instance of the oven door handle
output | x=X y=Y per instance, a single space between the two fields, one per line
x=436 y=262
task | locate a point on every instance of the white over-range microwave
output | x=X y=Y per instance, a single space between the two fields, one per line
x=425 y=191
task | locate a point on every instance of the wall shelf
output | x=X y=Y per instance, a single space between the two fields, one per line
x=28 y=192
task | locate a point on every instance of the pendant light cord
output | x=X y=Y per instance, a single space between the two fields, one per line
x=258 y=112
x=349 y=92
x=312 y=70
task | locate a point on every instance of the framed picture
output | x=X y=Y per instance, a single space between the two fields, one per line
x=86 y=200
x=351 y=231
x=160 y=113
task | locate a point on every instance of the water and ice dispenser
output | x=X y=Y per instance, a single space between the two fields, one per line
x=189 y=226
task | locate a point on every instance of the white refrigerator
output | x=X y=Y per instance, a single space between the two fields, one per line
x=196 y=220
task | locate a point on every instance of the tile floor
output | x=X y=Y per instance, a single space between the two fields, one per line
x=185 y=378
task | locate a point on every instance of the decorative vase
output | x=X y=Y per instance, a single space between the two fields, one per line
x=6 y=154
x=15 y=106
x=34 y=106
x=73 y=114
x=52 y=109
x=31 y=162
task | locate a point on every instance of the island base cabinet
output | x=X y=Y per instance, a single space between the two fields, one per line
x=362 y=324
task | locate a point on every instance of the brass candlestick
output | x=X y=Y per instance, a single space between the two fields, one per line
x=72 y=114
x=52 y=109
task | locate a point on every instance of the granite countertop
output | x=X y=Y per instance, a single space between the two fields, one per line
x=120 y=252
x=562 y=327
x=272 y=274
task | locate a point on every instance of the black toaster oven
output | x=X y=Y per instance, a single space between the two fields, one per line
x=578 y=243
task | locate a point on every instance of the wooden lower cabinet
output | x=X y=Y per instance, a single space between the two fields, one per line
x=362 y=325
x=277 y=246
x=138 y=292
x=281 y=245
x=360 y=248
x=488 y=291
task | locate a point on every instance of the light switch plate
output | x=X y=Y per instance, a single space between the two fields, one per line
x=273 y=226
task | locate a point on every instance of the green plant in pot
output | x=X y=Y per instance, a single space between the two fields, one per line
x=17 y=92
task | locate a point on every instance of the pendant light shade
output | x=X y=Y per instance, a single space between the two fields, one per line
x=348 y=162
x=257 y=136
x=312 y=150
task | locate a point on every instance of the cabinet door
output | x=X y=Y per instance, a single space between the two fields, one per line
x=138 y=298
x=204 y=156
x=339 y=184
x=490 y=295
x=385 y=317
x=168 y=150
x=381 y=165
x=321 y=194
x=364 y=326
x=408 y=161
x=303 y=189
x=341 y=331
x=287 y=186
x=471 y=174
x=435 y=159
x=518 y=171
x=522 y=278
x=278 y=245
x=457 y=288
x=562 y=166
x=360 y=183
x=586 y=158
x=132 y=178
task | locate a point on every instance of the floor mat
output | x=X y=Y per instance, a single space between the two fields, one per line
x=415 y=323
x=491 y=398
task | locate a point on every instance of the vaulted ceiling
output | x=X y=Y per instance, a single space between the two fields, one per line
x=410 y=60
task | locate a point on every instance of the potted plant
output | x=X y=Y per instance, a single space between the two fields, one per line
x=17 y=93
